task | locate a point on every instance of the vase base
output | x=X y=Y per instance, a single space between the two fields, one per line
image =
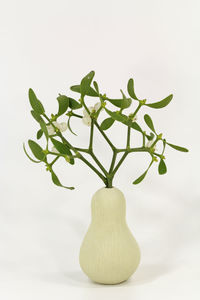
x=109 y=283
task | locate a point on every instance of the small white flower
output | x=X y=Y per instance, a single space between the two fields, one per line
x=63 y=126
x=50 y=130
x=54 y=150
x=86 y=117
x=56 y=124
x=87 y=120
x=85 y=113
x=97 y=106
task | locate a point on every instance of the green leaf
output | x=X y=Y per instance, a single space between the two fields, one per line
x=86 y=82
x=69 y=126
x=130 y=88
x=63 y=103
x=161 y=103
x=182 y=149
x=135 y=126
x=91 y=92
x=107 y=123
x=63 y=149
x=123 y=119
x=73 y=104
x=35 y=161
x=36 y=116
x=36 y=150
x=150 y=137
x=139 y=179
x=56 y=181
x=44 y=129
x=162 y=169
x=121 y=103
x=35 y=103
x=149 y=122
x=96 y=87
x=39 y=134
x=76 y=88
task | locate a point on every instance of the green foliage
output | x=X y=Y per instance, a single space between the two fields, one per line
x=63 y=104
x=121 y=103
x=36 y=150
x=35 y=103
x=36 y=116
x=63 y=149
x=162 y=169
x=117 y=116
x=139 y=179
x=107 y=123
x=39 y=134
x=130 y=88
x=90 y=91
x=161 y=103
x=73 y=104
x=51 y=126
x=182 y=149
x=44 y=129
x=56 y=181
x=69 y=126
x=149 y=122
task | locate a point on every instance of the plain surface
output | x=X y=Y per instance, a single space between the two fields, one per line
x=50 y=45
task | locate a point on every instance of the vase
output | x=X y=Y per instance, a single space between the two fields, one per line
x=109 y=253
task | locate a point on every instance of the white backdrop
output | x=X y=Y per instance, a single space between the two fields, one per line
x=49 y=46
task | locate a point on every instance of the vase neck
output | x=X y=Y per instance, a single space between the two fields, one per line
x=108 y=205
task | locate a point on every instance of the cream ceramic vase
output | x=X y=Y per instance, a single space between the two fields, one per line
x=109 y=254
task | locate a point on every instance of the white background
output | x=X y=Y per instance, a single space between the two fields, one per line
x=49 y=46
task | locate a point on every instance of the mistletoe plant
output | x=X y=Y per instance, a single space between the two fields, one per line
x=52 y=130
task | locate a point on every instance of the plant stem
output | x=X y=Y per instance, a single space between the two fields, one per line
x=93 y=168
x=91 y=135
x=98 y=163
x=82 y=149
x=113 y=161
x=125 y=153
x=53 y=162
x=109 y=182
x=119 y=163
x=128 y=137
x=79 y=155
x=76 y=115
x=104 y=135
x=97 y=125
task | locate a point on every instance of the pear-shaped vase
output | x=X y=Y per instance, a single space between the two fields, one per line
x=109 y=253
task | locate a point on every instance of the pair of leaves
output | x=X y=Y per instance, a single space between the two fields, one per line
x=57 y=182
x=162 y=169
x=63 y=149
x=84 y=88
x=35 y=103
x=64 y=102
x=156 y=105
